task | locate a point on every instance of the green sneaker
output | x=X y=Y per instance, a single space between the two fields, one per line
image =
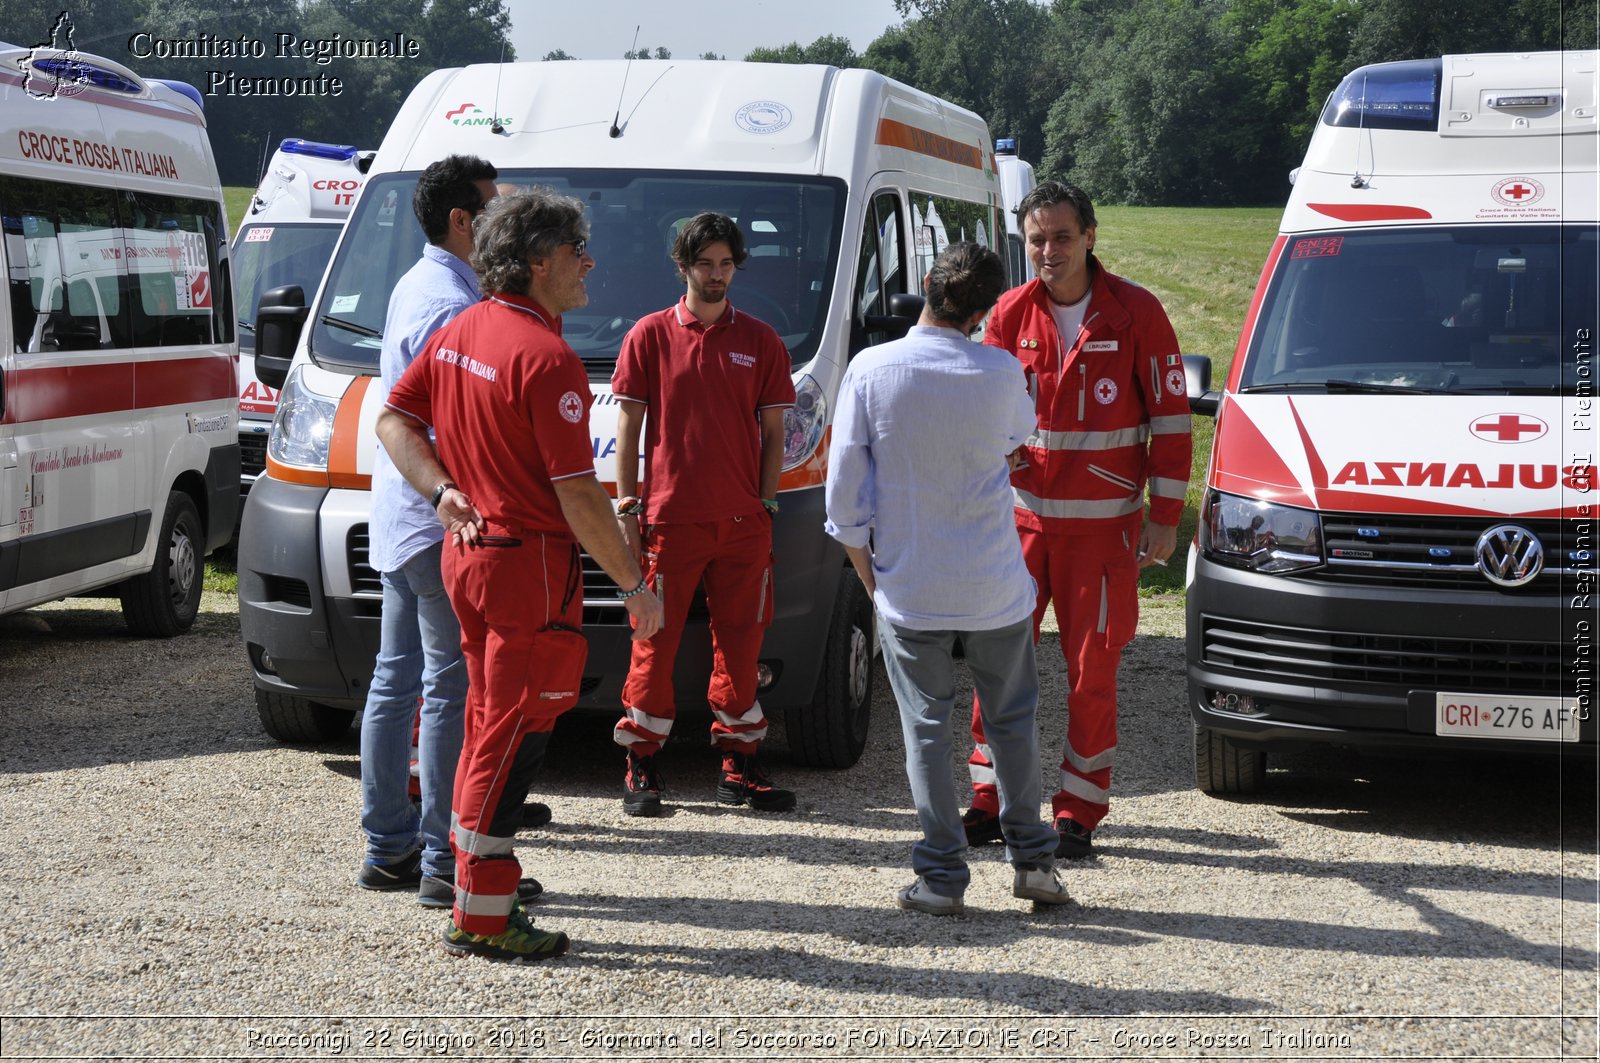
x=519 y=942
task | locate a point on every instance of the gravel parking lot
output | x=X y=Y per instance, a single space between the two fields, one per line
x=178 y=885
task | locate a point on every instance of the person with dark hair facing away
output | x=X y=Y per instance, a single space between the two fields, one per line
x=419 y=648
x=706 y=385
x=1108 y=385
x=511 y=479
x=922 y=504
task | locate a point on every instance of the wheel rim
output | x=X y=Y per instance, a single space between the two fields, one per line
x=183 y=569
x=860 y=666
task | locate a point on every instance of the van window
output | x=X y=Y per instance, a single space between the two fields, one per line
x=91 y=268
x=791 y=226
x=1488 y=309
x=880 y=268
x=940 y=221
x=271 y=256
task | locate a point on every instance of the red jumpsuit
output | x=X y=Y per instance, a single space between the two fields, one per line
x=509 y=403
x=1113 y=419
x=705 y=388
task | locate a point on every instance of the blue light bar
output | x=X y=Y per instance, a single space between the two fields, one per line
x=1388 y=96
x=1005 y=146
x=72 y=70
x=336 y=152
x=182 y=88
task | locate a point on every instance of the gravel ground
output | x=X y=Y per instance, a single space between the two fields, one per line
x=178 y=885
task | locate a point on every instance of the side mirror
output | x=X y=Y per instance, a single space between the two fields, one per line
x=280 y=316
x=1197 y=378
x=904 y=310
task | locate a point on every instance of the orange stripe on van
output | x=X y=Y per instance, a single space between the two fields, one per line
x=895 y=134
x=813 y=472
x=346 y=444
x=1370 y=211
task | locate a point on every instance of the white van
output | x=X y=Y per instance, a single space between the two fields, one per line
x=1397 y=544
x=286 y=238
x=119 y=454
x=1016 y=181
x=828 y=172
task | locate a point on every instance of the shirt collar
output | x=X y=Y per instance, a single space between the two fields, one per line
x=435 y=253
x=946 y=331
x=687 y=319
x=528 y=306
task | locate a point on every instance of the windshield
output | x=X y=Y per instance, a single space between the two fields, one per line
x=1478 y=309
x=271 y=256
x=791 y=226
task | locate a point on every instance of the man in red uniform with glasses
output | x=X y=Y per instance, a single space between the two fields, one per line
x=706 y=385
x=513 y=483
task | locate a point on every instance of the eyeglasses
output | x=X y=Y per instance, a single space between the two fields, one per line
x=578 y=246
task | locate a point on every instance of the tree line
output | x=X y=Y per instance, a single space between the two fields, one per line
x=1175 y=102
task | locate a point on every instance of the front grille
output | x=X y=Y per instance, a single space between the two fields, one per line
x=1406 y=662
x=1421 y=551
x=602 y=602
x=364 y=578
x=252 y=455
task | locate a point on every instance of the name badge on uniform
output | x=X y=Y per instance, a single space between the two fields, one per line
x=1100 y=345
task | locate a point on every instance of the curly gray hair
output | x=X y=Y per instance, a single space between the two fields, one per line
x=524 y=225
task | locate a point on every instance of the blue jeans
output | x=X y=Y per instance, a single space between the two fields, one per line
x=419 y=653
x=922 y=674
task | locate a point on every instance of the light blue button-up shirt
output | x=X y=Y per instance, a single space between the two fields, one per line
x=432 y=292
x=918 y=463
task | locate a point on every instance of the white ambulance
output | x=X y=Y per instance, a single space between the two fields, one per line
x=119 y=453
x=1016 y=181
x=1397 y=541
x=286 y=238
x=845 y=183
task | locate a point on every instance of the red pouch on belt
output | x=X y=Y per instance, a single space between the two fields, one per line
x=555 y=670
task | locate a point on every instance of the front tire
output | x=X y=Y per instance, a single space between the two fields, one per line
x=1221 y=767
x=296 y=720
x=831 y=732
x=164 y=601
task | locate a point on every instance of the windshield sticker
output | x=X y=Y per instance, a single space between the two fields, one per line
x=1317 y=247
x=343 y=304
x=259 y=235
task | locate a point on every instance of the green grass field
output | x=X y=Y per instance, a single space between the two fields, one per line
x=1202 y=263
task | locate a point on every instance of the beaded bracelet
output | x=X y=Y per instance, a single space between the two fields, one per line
x=640 y=589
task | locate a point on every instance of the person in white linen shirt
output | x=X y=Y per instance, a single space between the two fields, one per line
x=919 y=493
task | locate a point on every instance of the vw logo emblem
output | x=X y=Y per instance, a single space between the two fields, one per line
x=1509 y=555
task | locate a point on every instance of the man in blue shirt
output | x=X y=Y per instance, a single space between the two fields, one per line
x=419 y=652
x=919 y=493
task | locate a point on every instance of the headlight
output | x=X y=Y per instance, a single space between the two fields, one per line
x=803 y=422
x=1261 y=536
x=303 y=425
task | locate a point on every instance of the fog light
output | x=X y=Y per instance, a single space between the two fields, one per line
x=766 y=675
x=1239 y=704
x=268 y=665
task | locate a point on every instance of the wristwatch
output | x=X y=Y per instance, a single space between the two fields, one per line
x=438 y=493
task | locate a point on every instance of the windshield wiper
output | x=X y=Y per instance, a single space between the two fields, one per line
x=247 y=326
x=351 y=326
x=1345 y=387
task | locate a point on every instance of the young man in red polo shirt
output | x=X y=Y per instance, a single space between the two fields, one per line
x=707 y=384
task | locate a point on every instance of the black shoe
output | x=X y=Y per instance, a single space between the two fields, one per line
x=439 y=891
x=400 y=874
x=535 y=814
x=745 y=782
x=1077 y=841
x=982 y=827
x=641 y=787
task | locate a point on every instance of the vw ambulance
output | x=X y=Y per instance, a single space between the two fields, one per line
x=286 y=238
x=846 y=185
x=119 y=452
x=1397 y=542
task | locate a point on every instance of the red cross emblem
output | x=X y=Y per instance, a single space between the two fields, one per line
x=1518 y=191
x=1508 y=428
x=1105 y=390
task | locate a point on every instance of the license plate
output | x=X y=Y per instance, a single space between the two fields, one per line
x=1534 y=719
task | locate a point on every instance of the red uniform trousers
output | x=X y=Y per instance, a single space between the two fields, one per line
x=504 y=597
x=1094 y=582
x=734 y=556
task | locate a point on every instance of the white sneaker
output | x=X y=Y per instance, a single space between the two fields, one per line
x=918 y=897
x=1041 y=885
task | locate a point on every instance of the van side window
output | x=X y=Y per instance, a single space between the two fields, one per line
x=940 y=221
x=94 y=269
x=880 y=268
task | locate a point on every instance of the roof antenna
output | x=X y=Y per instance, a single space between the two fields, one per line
x=499 y=72
x=1356 y=180
x=266 y=150
x=616 y=130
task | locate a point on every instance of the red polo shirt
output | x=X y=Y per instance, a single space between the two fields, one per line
x=705 y=386
x=509 y=404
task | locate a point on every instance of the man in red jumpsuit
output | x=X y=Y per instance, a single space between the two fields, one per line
x=1107 y=381
x=708 y=385
x=513 y=482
